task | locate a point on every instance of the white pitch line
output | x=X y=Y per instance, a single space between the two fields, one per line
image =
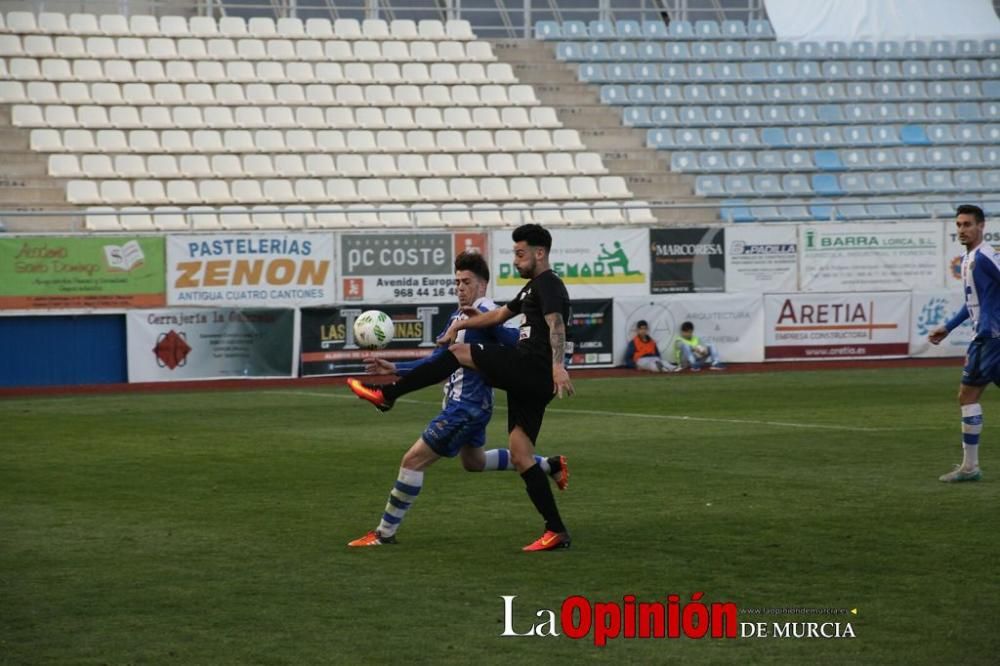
x=637 y=415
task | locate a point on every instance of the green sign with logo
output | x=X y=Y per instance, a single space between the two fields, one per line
x=53 y=272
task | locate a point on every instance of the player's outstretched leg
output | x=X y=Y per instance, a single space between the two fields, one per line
x=972 y=426
x=401 y=497
x=383 y=397
x=498 y=460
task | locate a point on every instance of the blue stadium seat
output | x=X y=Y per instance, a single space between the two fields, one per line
x=712 y=161
x=628 y=30
x=767 y=185
x=807 y=70
x=623 y=51
x=734 y=29
x=774 y=137
x=911 y=157
x=617 y=72
x=967 y=69
x=991 y=89
x=914 y=135
x=717 y=137
x=569 y=51
x=861 y=50
x=882 y=182
x=991 y=47
x=887 y=69
x=823 y=211
x=655 y=30
x=832 y=91
x=810 y=50
x=945 y=90
x=669 y=94
x=778 y=92
x=703 y=51
x=693 y=115
x=744 y=115
x=681 y=30
x=885 y=135
x=803 y=115
x=835 y=70
x=595 y=51
x=913 y=90
x=914 y=48
x=851 y=211
x=639 y=93
x=591 y=72
x=700 y=72
x=828 y=160
x=941 y=69
x=548 y=30
x=775 y=115
x=968 y=111
x=734 y=212
x=990 y=110
x=708 y=186
x=884 y=158
x=854 y=158
x=914 y=111
x=677 y=51
x=707 y=30
x=723 y=93
x=738 y=184
x=826 y=184
x=858 y=135
x=754 y=71
x=940 y=134
x=940 y=181
x=574 y=30
x=888 y=50
x=674 y=71
x=801 y=136
x=652 y=51
x=915 y=69
x=719 y=115
x=760 y=29
x=881 y=211
x=757 y=51
x=636 y=116
x=646 y=71
x=991 y=180
x=683 y=161
x=751 y=93
x=696 y=92
x=613 y=95
x=991 y=155
x=665 y=116
x=968 y=134
x=941 y=48
x=781 y=71
x=830 y=113
x=745 y=137
x=846 y=183
x=835 y=50
x=601 y=30
x=791 y=212
x=796 y=184
x=771 y=160
x=911 y=210
x=730 y=51
x=968 y=181
x=911 y=181
x=968 y=48
x=741 y=160
x=940 y=157
x=660 y=138
x=783 y=51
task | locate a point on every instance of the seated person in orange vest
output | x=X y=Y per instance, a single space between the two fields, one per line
x=689 y=352
x=643 y=354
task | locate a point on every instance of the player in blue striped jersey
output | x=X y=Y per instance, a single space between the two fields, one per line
x=460 y=428
x=981 y=282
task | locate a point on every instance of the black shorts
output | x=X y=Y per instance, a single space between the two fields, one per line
x=526 y=379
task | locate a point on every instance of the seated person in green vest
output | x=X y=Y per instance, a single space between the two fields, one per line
x=643 y=354
x=690 y=352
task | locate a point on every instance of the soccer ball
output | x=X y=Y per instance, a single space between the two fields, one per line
x=373 y=329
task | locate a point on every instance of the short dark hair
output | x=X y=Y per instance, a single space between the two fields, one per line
x=534 y=235
x=641 y=323
x=687 y=326
x=473 y=261
x=969 y=209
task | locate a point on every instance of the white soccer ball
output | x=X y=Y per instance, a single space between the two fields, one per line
x=373 y=329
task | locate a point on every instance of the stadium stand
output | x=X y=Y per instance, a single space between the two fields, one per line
x=215 y=119
x=803 y=130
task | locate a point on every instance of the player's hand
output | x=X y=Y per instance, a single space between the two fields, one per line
x=937 y=335
x=449 y=336
x=379 y=366
x=561 y=382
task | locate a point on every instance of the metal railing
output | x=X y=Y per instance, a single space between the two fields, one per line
x=498 y=19
x=942 y=209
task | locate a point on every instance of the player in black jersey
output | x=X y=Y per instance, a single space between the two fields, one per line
x=531 y=373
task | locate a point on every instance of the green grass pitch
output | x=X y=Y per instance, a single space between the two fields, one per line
x=210 y=527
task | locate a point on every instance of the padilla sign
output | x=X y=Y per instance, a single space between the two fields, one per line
x=825 y=326
x=269 y=269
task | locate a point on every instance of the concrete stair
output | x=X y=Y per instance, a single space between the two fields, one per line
x=25 y=184
x=623 y=149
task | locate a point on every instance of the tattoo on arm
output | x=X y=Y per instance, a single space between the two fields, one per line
x=557 y=337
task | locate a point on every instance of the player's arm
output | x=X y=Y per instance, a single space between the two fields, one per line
x=630 y=354
x=941 y=332
x=477 y=320
x=557 y=340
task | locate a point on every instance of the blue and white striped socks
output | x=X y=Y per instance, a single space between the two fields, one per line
x=402 y=495
x=498 y=460
x=972 y=425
